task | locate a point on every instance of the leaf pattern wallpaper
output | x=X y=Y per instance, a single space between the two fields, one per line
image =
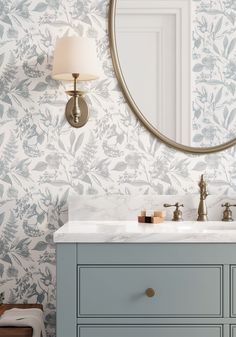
x=214 y=72
x=42 y=158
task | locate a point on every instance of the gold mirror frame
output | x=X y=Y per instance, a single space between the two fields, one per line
x=134 y=107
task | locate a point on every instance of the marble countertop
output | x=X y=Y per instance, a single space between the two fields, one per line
x=132 y=231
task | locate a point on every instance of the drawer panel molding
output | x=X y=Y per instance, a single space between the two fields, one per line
x=233 y=331
x=233 y=290
x=151 y=331
x=156 y=291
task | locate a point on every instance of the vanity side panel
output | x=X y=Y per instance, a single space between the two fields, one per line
x=156 y=253
x=151 y=331
x=66 y=290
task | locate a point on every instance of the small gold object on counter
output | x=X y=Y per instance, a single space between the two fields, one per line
x=160 y=214
x=157 y=217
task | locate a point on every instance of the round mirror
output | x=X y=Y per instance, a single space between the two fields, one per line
x=176 y=65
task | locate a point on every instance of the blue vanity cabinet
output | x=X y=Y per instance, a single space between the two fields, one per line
x=101 y=290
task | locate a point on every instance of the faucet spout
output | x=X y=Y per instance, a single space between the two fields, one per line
x=202 y=208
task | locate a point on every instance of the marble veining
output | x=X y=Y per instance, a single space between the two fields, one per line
x=127 y=207
x=132 y=231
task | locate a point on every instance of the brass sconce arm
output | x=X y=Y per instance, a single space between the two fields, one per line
x=77 y=113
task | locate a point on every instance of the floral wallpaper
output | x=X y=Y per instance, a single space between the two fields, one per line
x=214 y=69
x=42 y=158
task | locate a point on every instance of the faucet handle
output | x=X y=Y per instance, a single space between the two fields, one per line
x=227 y=214
x=227 y=204
x=177 y=214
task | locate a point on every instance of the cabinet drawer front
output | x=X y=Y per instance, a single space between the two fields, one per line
x=187 y=291
x=150 y=331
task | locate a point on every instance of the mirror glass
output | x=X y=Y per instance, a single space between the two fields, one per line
x=178 y=61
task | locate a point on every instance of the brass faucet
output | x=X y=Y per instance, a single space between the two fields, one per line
x=202 y=208
x=177 y=214
x=227 y=214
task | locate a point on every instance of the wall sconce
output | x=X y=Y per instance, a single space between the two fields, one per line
x=75 y=59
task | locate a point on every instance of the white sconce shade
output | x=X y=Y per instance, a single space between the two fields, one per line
x=75 y=55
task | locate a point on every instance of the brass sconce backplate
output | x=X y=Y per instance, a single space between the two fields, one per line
x=84 y=113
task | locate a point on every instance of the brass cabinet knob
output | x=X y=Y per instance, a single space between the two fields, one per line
x=150 y=292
